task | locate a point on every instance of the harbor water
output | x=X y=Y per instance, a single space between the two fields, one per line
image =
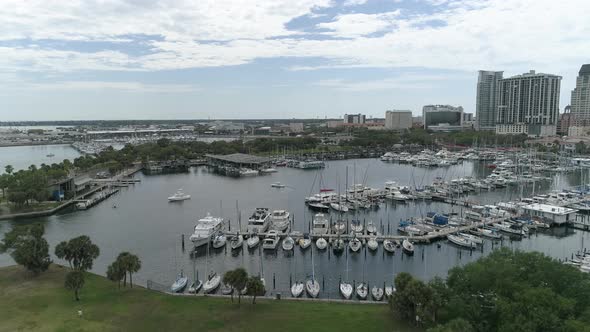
x=145 y=223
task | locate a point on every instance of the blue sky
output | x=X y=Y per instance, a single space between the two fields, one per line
x=140 y=59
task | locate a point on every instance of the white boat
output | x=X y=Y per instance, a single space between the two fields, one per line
x=408 y=247
x=388 y=245
x=475 y=239
x=346 y=290
x=271 y=241
x=372 y=244
x=312 y=287
x=219 y=241
x=339 y=207
x=321 y=243
x=362 y=291
x=195 y=286
x=179 y=285
x=304 y=242
x=205 y=229
x=259 y=221
x=511 y=228
x=179 y=195
x=277 y=185
x=268 y=170
x=212 y=283
x=280 y=220
x=356 y=226
x=320 y=224
x=377 y=293
x=338 y=245
x=288 y=243
x=236 y=242
x=354 y=244
x=489 y=233
x=248 y=172
x=253 y=241
x=389 y=290
x=371 y=229
x=339 y=226
x=461 y=241
x=226 y=289
x=318 y=206
x=297 y=289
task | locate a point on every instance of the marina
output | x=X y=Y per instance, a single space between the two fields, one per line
x=158 y=226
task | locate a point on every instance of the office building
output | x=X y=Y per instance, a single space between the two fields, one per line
x=354 y=118
x=580 y=102
x=447 y=116
x=528 y=104
x=486 y=98
x=398 y=120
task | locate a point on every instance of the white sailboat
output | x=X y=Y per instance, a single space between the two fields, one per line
x=345 y=287
x=312 y=286
x=297 y=289
x=377 y=293
x=180 y=283
x=288 y=243
x=321 y=243
x=372 y=244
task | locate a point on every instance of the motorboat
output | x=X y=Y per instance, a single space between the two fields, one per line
x=338 y=245
x=271 y=241
x=356 y=226
x=248 y=172
x=312 y=287
x=475 y=239
x=205 y=229
x=51 y=155
x=371 y=229
x=389 y=246
x=268 y=170
x=408 y=247
x=226 y=289
x=486 y=232
x=179 y=195
x=318 y=206
x=339 y=227
x=362 y=291
x=321 y=243
x=389 y=290
x=212 y=283
x=355 y=244
x=305 y=241
x=277 y=185
x=253 y=241
x=179 y=285
x=236 y=242
x=339 y=207
x=219 y=241
x=297 y=289
x=259 y=221
x=377 y=293
x=346 y=290
x=320 y=224
x=288 y=243
x=195 y=286
x=372 y=244
x=510 y=228
x=280 y=220
x=461 y=241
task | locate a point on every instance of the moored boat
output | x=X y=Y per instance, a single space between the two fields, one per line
x=408 y=247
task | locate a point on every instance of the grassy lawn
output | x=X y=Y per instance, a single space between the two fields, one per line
x=42 y=304
x=9 y=208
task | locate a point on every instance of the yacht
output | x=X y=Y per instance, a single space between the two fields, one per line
x=259 y=221
x=321 y=224
x=511 y=228
x=408 y=247
x=461 y=241
x=389 y=246
x=280 y=220
x=179 y=285
x=288 y=243
x=486 y=232
x=179 y=195
x=212 y=283
x=277 y=185
x=271 y=241
x=219 y=240
x=253 y=241
x=339 y=207
x=205 y=228
x=475 y=239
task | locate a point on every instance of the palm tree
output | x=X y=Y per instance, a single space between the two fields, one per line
x=255 y=287
x=133 y=265
x=75 y=282
x=9 y=169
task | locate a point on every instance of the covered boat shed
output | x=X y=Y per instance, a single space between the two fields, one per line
x=237 y=161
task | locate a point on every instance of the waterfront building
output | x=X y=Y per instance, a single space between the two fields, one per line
x=580 y=100
x=486 y=98
x=354 y=118
x=446 y=116
x=565 y=121
x=398 y=120
x=528 y=104
x=551 y=213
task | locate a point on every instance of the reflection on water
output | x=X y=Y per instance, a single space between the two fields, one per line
x=145 y=223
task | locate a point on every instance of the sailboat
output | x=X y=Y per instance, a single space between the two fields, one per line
x=196 y=285
x=312 y=286
x=297 y=289
x=362 y=290
x=345 y=287
x=213 y=280
x=377 y=293
x=180 y=283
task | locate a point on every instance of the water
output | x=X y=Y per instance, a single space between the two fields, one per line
x=145 y=223
x=21 y=157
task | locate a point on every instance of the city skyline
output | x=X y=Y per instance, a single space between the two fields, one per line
x=125 y=59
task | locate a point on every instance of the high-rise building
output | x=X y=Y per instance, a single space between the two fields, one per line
x=354 y=118
x=580 y=103
x=486 y=98
x=396 y=120
x=447 y=116
x=528 y=104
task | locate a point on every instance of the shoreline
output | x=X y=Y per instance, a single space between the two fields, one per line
x=8 y=145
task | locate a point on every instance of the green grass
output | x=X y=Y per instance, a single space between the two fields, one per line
x=41 y=303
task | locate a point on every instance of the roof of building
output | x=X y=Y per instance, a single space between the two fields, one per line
x=239 y=158
x=585 y=70
x=553 y=209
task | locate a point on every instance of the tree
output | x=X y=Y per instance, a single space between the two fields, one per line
x=28 y=247
x=9 y=169
x=115 y=272
x=237 y=279
x=254 y=288
x=75 y=282
x=129 y=263
x=228 y=279
x=458 y=324
x=80 y=252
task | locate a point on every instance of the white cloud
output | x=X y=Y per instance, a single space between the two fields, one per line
x=402 y=82
x=122 y=86
x=356 y=25
x=355 y=2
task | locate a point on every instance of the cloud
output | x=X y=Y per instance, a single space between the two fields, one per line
x=402 y=82
x=356 y=25
x=128 y=86
x=354 y=2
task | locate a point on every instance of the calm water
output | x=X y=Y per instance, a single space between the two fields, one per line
x=146 y=224
x=21 y=157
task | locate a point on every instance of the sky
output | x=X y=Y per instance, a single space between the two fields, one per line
x=233 y=59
